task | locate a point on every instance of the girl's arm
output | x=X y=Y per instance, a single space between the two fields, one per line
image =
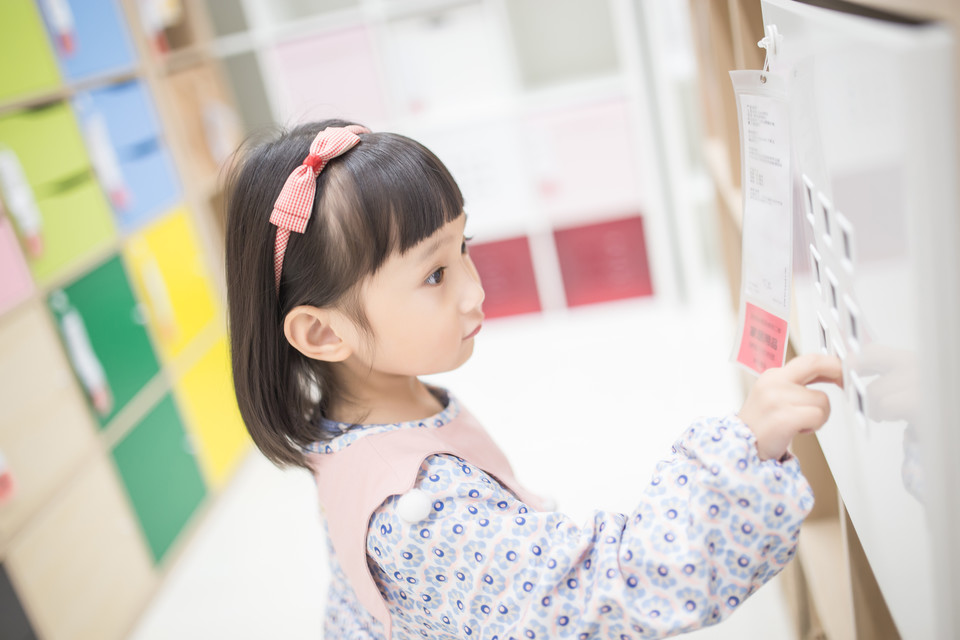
x=720 y=517
x=714 y=524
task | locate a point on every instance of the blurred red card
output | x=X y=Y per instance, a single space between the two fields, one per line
x=506 y=270
x=605 y=261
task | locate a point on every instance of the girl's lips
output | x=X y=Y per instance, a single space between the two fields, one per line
x=474 y=332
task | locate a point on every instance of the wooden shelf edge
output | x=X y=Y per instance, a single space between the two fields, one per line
x=822 y=554
x=715 y=157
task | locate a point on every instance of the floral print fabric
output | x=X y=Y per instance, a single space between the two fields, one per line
x=713 y=525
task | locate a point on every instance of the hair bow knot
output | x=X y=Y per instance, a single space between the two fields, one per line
x=315 y=162
x=292 y=209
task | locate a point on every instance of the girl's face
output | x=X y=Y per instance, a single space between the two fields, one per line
x=424 y=307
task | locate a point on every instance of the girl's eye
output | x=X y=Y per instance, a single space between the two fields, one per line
x=436 y=277
x=463 y=245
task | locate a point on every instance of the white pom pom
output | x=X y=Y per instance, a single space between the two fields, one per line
x=414 y=506
x=549 y=503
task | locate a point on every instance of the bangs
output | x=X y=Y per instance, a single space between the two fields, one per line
x=393 y=193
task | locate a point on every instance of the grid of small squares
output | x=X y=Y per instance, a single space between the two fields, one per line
x=832 y=255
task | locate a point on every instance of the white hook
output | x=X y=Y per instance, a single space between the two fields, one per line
x=771 y=42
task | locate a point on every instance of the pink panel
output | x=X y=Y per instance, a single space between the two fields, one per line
x=15 y=282
x=334 y=74
x=585 y=161
x=506 y=271
x=605 y=261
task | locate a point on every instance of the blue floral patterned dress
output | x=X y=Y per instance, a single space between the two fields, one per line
x=713 y=525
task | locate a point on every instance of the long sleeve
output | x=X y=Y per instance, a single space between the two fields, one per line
x=714 y=524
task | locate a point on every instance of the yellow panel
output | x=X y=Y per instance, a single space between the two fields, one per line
x=206 y=395
x=170 y=277
x=81 y=567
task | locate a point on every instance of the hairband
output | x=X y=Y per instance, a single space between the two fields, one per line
x=293 y=207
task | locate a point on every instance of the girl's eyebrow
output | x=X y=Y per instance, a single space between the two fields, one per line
x=427 y=253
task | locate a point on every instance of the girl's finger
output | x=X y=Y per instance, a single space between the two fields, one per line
x=819 y=400
x=808 y=418
x=814 y=367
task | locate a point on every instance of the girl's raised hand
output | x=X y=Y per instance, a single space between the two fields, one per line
x=779 y=406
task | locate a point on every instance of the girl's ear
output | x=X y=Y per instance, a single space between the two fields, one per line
x=310 y=330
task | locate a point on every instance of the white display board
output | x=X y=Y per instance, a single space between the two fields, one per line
x=876 y=281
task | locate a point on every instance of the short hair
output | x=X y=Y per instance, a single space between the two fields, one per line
x=383 y=196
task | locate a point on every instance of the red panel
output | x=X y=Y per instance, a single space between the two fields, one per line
x=606 y=261
x=506 y=270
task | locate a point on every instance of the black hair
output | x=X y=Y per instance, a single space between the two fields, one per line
x=383 y=196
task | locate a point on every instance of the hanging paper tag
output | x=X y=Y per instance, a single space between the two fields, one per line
x=60 y=16
x=767 y=250
x=7 y=484
x=158 y=294
x=84 y=359
x=21 y=202
x=104 y=158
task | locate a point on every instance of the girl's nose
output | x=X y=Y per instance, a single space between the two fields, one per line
x=473 y=294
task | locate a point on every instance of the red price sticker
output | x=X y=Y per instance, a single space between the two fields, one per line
x=764 y=340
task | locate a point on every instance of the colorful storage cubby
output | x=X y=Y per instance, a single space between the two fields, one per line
x=161 y=475
x=14 y=622
x=23 y=40
x=584 y=161
x=45 y=428
x=333 y=74
x=169 y=275
x=206 y=394
x=82 y=570
x=491 y=171
x=250 y=90
x=89 y=36
x=443 y=60
x=112 y=335
x=604 y=261
x=227 y=16
x=16 y=285
x=506 y=271
x=207 y=125
x=283 y=13
x=132 y=162
x=171 y=25
x=577 y=42
x=74 y=216
x=277 y=13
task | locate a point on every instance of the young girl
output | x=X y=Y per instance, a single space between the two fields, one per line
x=348 y=277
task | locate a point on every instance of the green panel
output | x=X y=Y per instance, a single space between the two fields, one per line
x=76 y=221
x=161 y=475
x=47 y=142
x=28 y=64
x=115 y=325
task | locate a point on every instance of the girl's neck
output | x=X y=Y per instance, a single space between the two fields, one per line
x=383 y=400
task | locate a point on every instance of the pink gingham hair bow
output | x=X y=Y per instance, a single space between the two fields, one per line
x=293 y=207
